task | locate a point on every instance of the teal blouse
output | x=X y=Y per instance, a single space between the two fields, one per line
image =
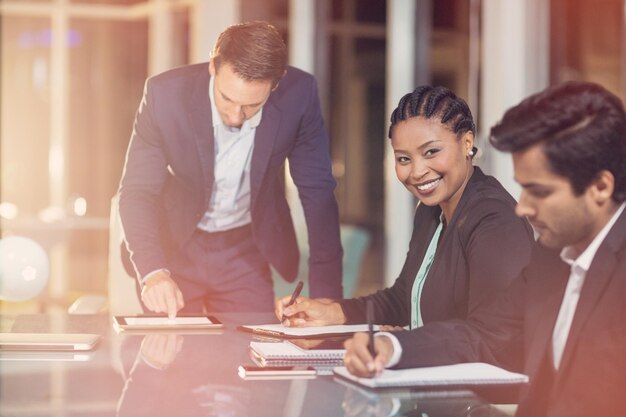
x=420 y=278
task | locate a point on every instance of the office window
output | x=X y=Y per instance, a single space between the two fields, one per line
x=588 y=42
x=25 y=114
x=70 y=83
x=105 y=88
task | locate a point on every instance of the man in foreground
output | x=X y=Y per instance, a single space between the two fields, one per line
x=568 y=306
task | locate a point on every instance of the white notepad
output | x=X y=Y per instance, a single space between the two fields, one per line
x=286 y=352
x=475 y=373
x=278 y=330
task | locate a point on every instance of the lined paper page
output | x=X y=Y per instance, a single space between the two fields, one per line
x=475 y=373
x=279 y=329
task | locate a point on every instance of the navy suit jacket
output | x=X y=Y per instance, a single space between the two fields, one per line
x=168 y=175
x=465 y=271
x=591 y=378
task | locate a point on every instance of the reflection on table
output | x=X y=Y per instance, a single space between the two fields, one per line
x=190 y=374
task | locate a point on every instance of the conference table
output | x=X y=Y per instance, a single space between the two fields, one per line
x=191 y=373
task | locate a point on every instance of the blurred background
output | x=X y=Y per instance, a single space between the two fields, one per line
x=72 y=74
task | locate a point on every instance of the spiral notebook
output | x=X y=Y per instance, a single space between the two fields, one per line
x=286 y=353
x=462 y=374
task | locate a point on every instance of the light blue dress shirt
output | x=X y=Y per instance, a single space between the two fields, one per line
x=229 y=206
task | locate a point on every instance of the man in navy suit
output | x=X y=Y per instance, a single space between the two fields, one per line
x=202 y=199
x=567 y=308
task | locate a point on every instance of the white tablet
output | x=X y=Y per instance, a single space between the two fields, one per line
x=51 y=342
x=152 y=322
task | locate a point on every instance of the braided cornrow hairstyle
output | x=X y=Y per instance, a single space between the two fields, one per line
x=435 y=102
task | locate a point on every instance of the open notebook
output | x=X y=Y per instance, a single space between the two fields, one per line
x=278 y=330
x=463 y=374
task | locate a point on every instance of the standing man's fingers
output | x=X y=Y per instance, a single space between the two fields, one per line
x=160 y=294
x=180 y=301
x=170 y=303
x=148 y=299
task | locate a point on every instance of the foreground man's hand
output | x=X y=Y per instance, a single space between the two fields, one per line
x=358 y=360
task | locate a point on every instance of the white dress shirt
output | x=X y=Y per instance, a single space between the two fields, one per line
x=229 y=206
x=579 y=265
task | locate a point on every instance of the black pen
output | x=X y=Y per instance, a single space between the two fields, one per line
x=369 y=312
x=295 y=295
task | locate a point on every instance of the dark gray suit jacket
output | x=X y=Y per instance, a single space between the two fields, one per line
x=480 y=252
x=168 y=176
x=591 y=379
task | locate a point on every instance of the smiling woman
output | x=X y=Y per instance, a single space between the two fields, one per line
x=432 y=162
x=464 y=217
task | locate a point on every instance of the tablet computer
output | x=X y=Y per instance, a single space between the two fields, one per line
x=49 y=342
x=162 y=322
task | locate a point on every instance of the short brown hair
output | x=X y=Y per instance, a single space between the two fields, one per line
x=581 y=127
x=255 y=50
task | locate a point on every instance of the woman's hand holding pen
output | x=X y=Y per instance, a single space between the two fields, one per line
x=358 y=359
x=308 y=312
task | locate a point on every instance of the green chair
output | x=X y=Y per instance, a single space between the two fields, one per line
x=354 y=240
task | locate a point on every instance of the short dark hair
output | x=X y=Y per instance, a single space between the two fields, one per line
x=581 y=127
x=255 y=50
x=435 y=102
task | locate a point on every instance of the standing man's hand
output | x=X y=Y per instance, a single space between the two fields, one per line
x=161 y=294
x=358 y=360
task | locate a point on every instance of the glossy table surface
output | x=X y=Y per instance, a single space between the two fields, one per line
x=188 y=374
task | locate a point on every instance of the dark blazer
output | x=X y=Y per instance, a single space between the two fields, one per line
x=591 y=379
x=168 y=175
x=480 y=252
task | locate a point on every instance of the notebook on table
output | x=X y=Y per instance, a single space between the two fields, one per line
x=463 y=374
x=247 y=372
x=278 y=330
x=323 y=356
x=286 y=352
